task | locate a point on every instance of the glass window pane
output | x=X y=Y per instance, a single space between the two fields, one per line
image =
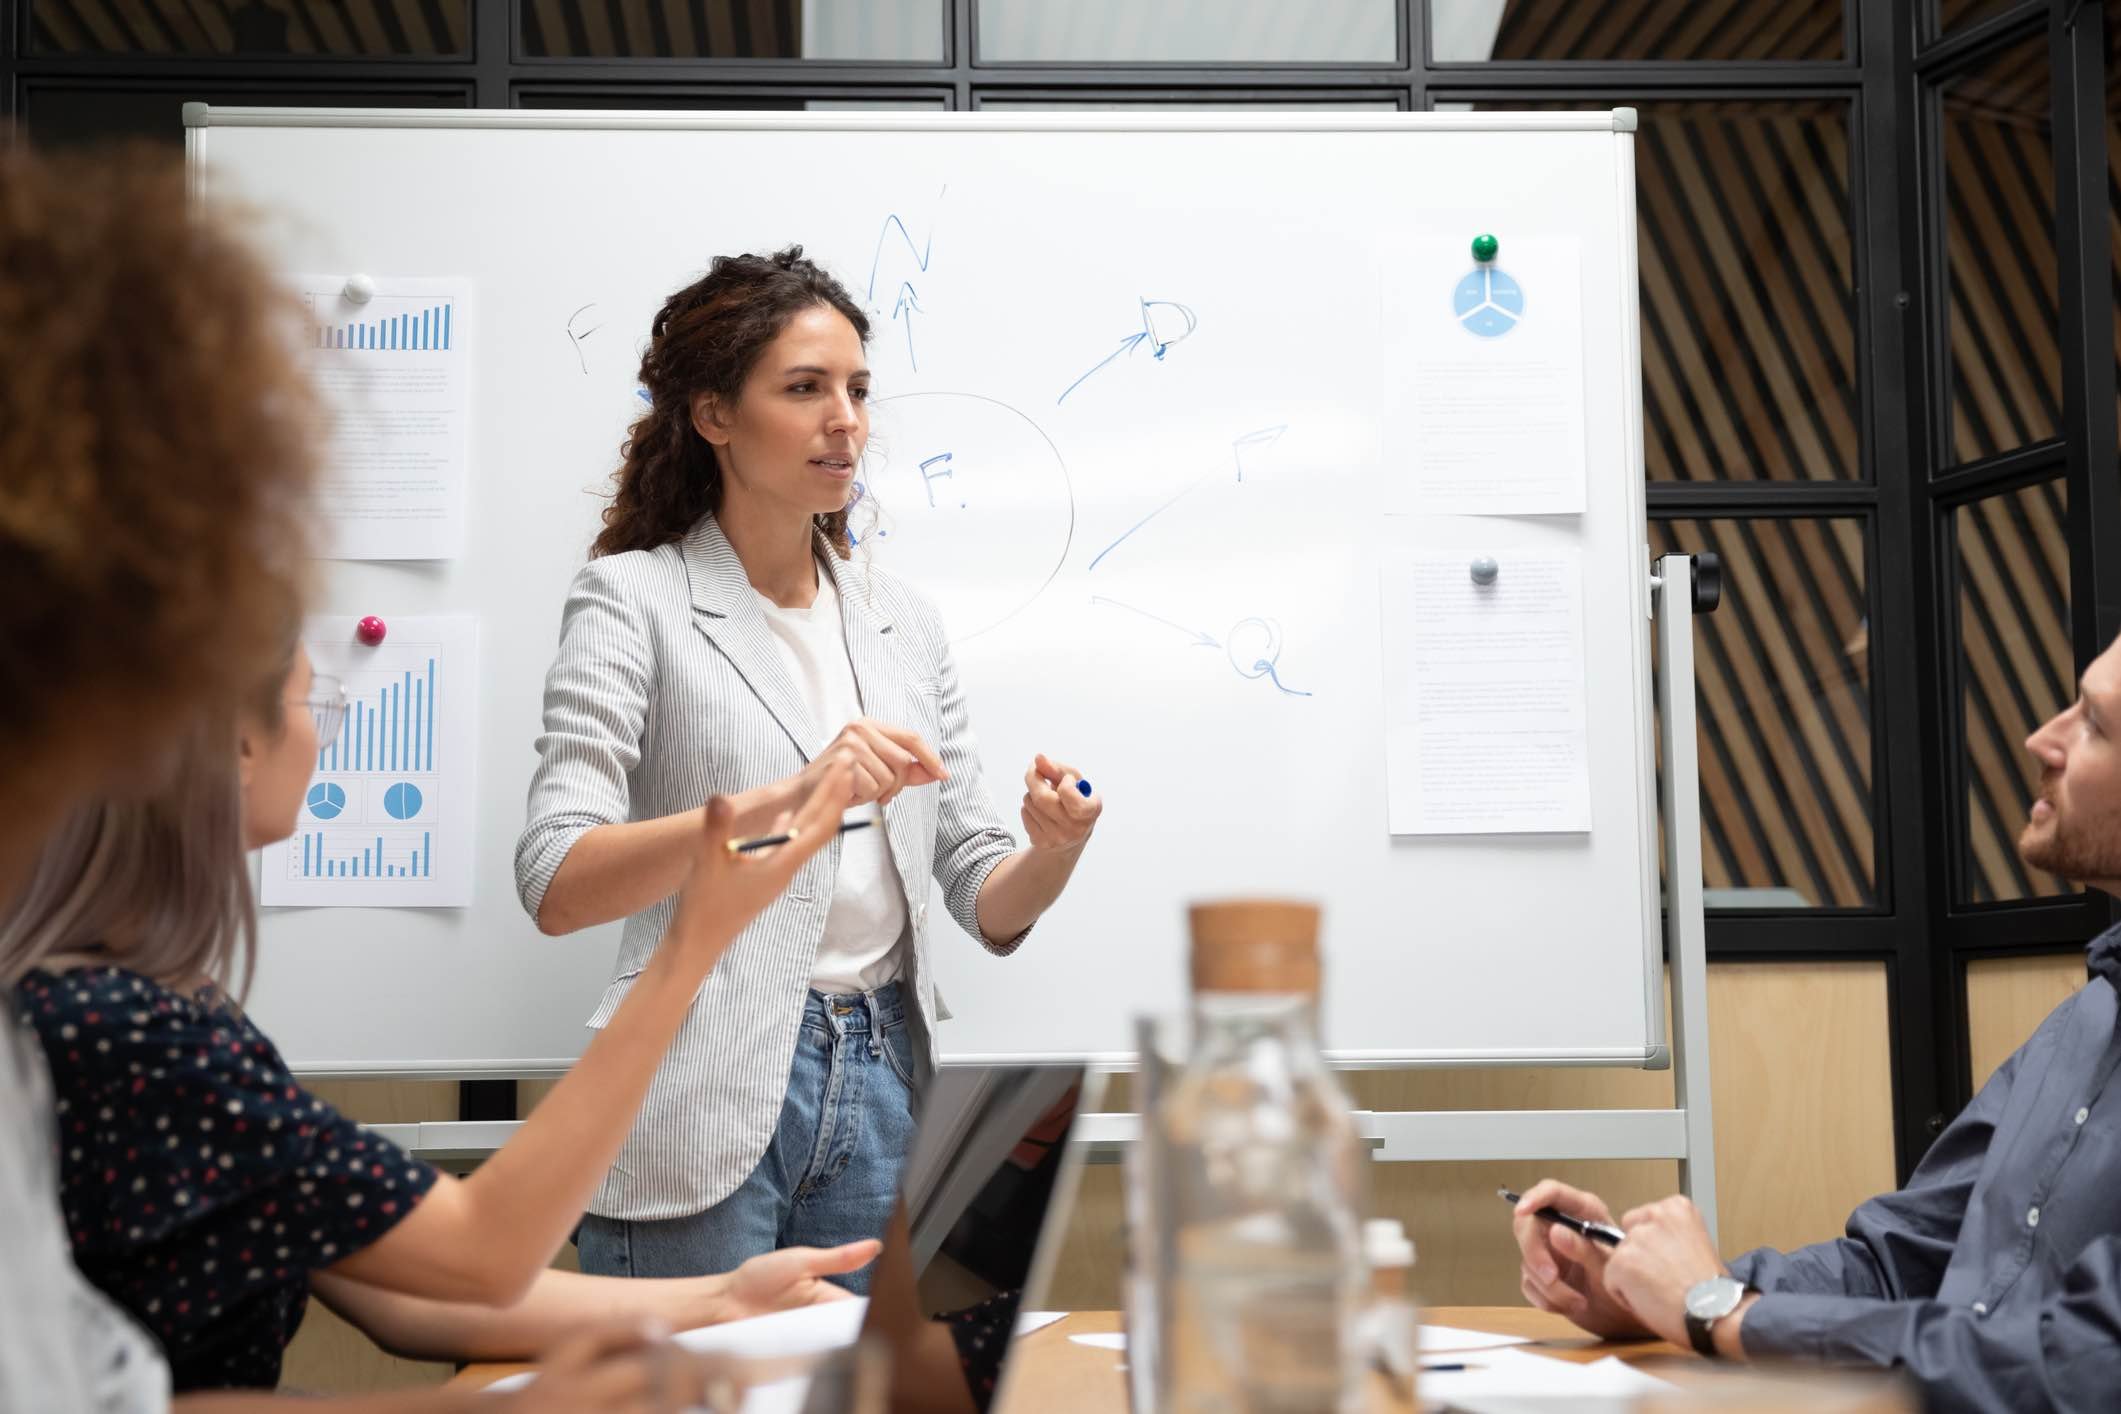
x=659 y=100
x=2001 y=313
x=58 y=114
x=1748 y=290
x=1188 y=32
x=1012 y=102
x=1783 y=701
x=199 y=28
x=2016 y=670
x=874 y=30
x=1517 y=31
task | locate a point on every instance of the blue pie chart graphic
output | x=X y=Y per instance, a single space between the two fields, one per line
x=402 y=801
x=326 y=800
x=1488 y=303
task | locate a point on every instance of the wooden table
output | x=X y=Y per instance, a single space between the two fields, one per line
x=1048 y=1371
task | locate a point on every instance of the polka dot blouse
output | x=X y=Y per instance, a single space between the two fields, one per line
x=200 y=1184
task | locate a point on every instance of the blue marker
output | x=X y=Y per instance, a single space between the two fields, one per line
x=1084 y=787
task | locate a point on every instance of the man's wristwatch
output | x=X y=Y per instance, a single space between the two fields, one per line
x=1708 y=1302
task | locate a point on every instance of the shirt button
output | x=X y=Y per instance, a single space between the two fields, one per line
x=1981 y=1308
x=2083 y=1115
x=2032 y=1217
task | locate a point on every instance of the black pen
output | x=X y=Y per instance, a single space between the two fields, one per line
x=1604 y=1233
x=768 y=841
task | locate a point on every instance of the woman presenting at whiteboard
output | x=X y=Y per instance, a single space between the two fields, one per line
x=719 y=640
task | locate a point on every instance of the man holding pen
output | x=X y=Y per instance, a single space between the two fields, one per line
x=1993 y=1278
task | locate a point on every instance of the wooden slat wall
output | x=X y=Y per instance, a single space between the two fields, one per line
x=1803 y=1109
x=668 y=29
x=1670 y=30
x=201 y=28
x=1782 y=686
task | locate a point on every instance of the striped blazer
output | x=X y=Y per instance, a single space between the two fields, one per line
x=668 y=687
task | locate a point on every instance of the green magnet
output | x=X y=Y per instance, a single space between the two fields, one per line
x=1485 y=248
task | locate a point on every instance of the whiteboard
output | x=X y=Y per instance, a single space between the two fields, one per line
x=1109 y=515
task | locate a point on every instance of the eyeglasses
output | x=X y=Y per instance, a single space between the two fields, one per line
x=327 y=703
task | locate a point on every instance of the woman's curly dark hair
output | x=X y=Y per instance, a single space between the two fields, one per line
x=157 y=442
x=706 y=339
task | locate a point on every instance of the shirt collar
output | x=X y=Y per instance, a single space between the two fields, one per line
x=2104 y=956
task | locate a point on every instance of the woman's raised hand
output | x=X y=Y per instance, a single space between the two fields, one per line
x=885 y=760
x=726 y=888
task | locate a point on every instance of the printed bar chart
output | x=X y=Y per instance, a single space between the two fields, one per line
x=390 y=725
x=415 y=331
x=349 y=854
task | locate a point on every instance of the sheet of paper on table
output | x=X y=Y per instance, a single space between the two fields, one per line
x=1519 y=1382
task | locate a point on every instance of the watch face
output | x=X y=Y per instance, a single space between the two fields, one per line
x=1707 y=1300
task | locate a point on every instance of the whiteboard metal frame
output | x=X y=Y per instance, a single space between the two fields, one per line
x=1684 y=1133
x=1618 y=120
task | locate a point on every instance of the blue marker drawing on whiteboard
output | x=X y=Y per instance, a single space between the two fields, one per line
x=1264 y=437
x=1266 y=659
x=929 y=478
x=920 y=253
x=1200 y=640
x=575 y=336
x=1164 y=323
x=909 y=304
x=1253 y=649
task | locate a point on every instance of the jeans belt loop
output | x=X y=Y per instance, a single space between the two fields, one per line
x=876 y=1025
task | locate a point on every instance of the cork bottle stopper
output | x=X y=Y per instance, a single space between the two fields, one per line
x=1255 y=945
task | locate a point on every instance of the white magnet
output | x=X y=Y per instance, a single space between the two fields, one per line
x=359 y=289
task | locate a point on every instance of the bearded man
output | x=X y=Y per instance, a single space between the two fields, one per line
x=1993 y=1278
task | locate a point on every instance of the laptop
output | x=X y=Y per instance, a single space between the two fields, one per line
x=985 y=1199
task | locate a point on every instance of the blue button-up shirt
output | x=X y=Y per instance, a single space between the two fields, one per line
x=1994 y=1277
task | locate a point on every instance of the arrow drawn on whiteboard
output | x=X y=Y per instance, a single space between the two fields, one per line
x=909 y=304
x=1254 y=649
x=1158 y=331
x=1264 y=437
x=1200 y=640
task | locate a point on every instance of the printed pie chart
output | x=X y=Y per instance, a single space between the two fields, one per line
x=327 y=800
x=1488 y=303
x=402 y=801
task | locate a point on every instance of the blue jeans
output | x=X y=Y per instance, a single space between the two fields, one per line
x=830 y=1173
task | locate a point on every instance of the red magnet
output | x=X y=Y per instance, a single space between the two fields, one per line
x=370 y=630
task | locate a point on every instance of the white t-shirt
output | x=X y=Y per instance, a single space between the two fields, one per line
x=63 y=1345
x=860 y=949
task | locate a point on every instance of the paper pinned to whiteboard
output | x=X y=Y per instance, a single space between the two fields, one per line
x=1495 y=421
x=386 y=820
x=395 y=375
x=1485 y=723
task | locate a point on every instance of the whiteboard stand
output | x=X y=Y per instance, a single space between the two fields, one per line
x=1678 y=591
x=1685 y=1131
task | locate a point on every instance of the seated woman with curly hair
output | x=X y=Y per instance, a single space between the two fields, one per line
x=156 y=452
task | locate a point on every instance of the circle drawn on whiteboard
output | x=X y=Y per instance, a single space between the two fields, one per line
x=402 y=801
x=1487 y=302
x=327 y=800
x=972 y=503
